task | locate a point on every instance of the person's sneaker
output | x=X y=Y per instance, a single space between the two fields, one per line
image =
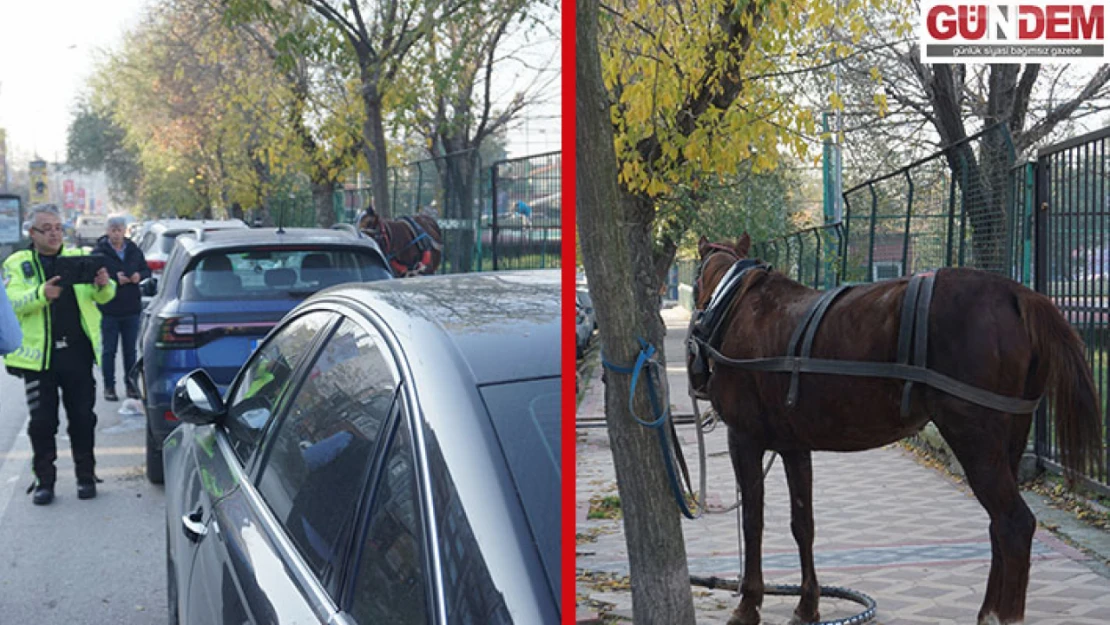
x=86 y=490
x=43 y=495
x=110 y=393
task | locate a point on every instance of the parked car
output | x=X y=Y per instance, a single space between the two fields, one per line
x=221 y=293
x=583 y=330
x=390 y=454
x=157 y=238
x=88 y=228
x=582 y=296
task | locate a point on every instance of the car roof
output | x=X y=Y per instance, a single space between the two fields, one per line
x=166 y=225
x=504 y=325
x=251 y=237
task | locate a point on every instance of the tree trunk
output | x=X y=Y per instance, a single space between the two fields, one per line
x=323 y=198
x=616 y=247
x=457 y=178
x=983 y=182
x=373 y=134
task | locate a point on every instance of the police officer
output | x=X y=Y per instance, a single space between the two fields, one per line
x=61 y=343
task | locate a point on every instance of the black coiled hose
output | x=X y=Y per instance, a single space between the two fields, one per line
x=835 y=592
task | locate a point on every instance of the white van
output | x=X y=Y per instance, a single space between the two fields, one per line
x=89 y=228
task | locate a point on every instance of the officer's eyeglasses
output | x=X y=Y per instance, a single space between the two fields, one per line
x=47 y=230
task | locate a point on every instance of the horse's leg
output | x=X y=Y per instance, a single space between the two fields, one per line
x=984 y=443
x=746 y=457
x=799 y=476
x=1019 y=438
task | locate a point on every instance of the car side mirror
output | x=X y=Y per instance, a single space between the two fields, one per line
x=196 y=399
x=149 y=287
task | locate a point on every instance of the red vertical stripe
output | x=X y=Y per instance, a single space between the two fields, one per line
x=569 y=274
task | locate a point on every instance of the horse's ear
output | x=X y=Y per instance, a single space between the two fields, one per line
x=743 y=245
x=703 y=246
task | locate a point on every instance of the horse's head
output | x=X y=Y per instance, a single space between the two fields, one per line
x=715 y=259
x=369 y=221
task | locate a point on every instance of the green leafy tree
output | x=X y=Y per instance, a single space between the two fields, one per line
x=96 y=142
x=381 y=36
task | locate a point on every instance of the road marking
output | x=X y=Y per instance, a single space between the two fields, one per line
x=13 y=466
x=25 y=454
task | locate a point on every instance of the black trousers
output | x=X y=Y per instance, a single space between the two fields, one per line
x=71 y=372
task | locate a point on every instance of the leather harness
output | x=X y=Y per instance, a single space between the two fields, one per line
x=420 y=238
x=705 y=331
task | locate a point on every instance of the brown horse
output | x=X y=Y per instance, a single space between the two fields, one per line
x=984 y=330
x=412 y=245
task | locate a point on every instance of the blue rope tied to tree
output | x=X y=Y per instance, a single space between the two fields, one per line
x=661 y=414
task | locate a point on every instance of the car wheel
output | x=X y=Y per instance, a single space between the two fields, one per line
x=171 y=583
x=153 y=458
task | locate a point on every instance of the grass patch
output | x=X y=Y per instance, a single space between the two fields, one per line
x=607 y=507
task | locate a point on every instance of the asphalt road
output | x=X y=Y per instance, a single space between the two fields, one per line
x=80 y=562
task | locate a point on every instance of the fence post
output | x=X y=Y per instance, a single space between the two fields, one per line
x=871 y=245
x=493 y=230
x=845 y=244
x=1040 y=284
x=906 y=236
x=963 y=206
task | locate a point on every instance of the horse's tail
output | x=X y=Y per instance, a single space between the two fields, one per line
x=1058 y=357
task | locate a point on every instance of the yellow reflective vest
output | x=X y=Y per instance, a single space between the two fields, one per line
x=24 y=280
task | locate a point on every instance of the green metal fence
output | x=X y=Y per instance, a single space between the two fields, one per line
x=1072 y=266
x=524 y=220
x=810 y=256
x=950 y=209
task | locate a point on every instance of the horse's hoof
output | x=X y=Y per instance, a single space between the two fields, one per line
x=799 y=620
x=740 y=618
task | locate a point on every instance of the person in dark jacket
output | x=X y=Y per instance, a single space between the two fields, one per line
x=120 y=317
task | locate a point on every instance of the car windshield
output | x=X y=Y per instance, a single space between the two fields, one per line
x=525 y=415
x=269 y=273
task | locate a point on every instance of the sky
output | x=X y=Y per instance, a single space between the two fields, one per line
x=43 y=71
x=43 y=68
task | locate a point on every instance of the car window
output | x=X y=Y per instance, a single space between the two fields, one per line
x=391 y=582
x=168 y=239
x=148 y=242
x=320 y=452
x=258 y=391
x=525 y=416
x=269 y=273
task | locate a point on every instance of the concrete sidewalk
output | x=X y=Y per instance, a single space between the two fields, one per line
x=887 y=525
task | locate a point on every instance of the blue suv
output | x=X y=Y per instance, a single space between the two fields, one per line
x=219 y=295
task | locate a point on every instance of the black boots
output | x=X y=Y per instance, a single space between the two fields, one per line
x=86 y=490
x=44 y=494
x=110 y=393
x=132 y=391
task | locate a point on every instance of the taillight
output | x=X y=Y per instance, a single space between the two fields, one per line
x=177 y=332
x=169 y=416
x=156 y=265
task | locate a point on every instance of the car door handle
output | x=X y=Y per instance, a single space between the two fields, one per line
x=193 y=525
